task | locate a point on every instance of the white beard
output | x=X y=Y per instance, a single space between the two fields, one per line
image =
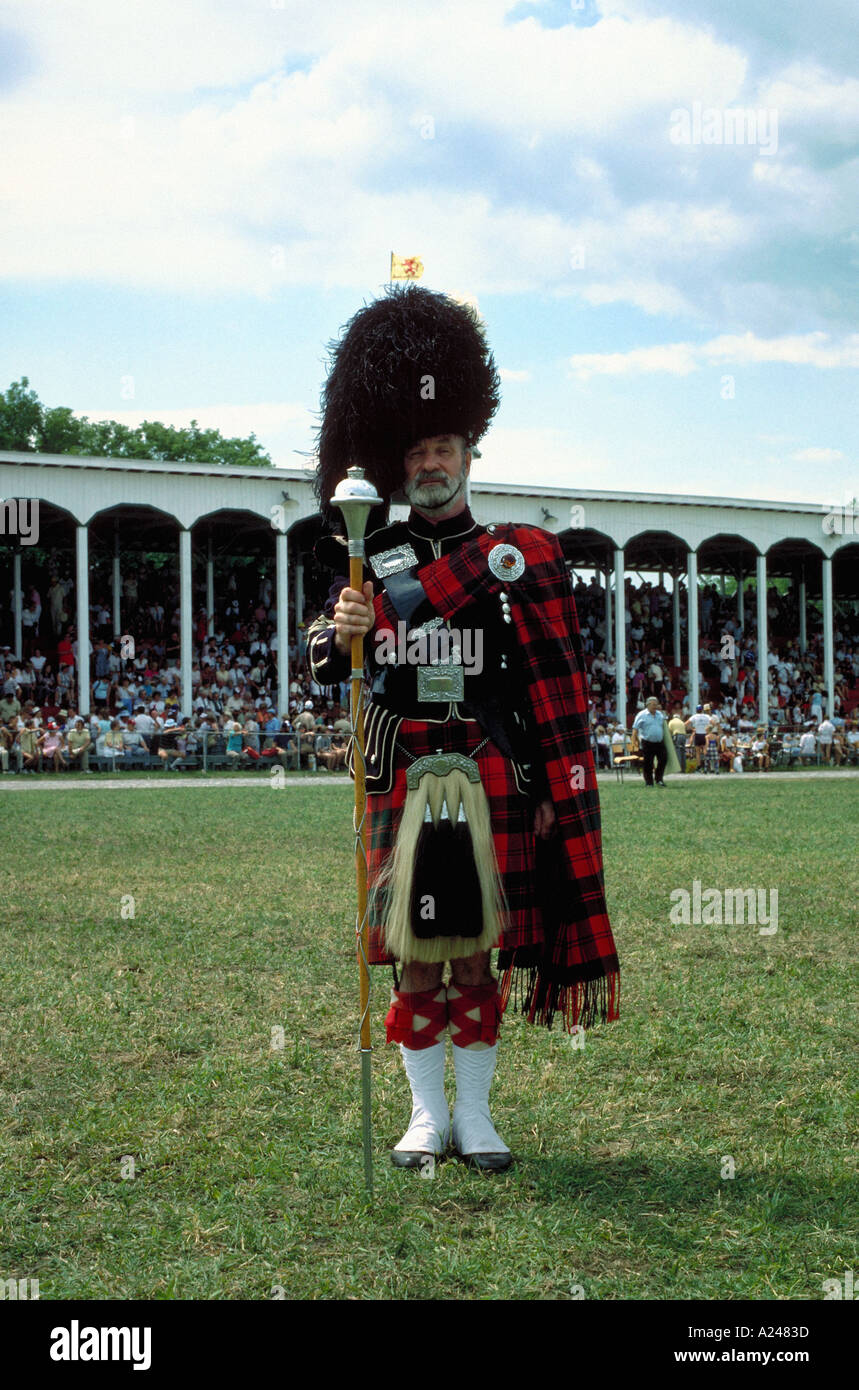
x=436 y=496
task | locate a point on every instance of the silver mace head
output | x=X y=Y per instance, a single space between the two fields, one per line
x=356 y=497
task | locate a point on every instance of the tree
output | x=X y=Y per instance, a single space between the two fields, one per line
x=60 y=432
x=25 y=424
x=20 y=417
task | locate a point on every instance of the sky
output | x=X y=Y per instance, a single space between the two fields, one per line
x=653 y=204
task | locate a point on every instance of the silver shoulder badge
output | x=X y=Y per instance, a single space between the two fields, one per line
x=506 y=562
x=401 y=557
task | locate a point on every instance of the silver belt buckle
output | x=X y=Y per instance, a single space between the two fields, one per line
x=441 y=683
x=400 y=557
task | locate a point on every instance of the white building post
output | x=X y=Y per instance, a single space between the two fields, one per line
x=620 y=636
x=185 y=620
x=282 y=556
x=82 y=556
x=692 y=639
x=763 y=643
x=117 y=583
x=210 y=587
x=828 y=637
x=17 y=606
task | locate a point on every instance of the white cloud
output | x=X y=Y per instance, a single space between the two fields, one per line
x=512 y=374
x=675 y=358
x=189 y=159
x=816 y=349
x=817 y=455
x=243 y=146
x=652 y=297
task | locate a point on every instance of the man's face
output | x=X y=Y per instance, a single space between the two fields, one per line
x=436 y=470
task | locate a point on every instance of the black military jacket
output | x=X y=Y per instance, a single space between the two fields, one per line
x=492 y=685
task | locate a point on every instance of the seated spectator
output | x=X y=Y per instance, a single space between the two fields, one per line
x=761 y=749
x=9 y=746
x=53 y=745
x=79 y=743
x=603 y=747
x=133 y=741
x=305 y=726
x=28 y=742
x=825 y=735
x=235 y=742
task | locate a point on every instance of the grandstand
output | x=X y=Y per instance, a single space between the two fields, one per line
x=186 y=575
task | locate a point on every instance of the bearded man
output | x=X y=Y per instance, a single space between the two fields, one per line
x=483 y=813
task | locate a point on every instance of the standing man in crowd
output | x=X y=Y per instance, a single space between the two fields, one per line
x=699 y=723
x=650 y=724
x=677 y=730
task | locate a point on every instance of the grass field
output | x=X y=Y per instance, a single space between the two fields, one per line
x=148 y=1043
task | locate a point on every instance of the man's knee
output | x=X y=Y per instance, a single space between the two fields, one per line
x=472 y=970
x=419 y=976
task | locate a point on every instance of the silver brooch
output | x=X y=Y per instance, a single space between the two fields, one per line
x=506 y=562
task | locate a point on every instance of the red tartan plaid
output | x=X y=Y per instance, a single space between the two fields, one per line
x=463 y=1000
x=573 y=966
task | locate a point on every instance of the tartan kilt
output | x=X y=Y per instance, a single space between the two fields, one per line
x=511 y=815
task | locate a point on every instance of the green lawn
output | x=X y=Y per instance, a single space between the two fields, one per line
x=151 y=1036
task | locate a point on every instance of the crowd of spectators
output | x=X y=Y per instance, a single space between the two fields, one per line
x=136 y=685
x=796 y=730
x=136 y=694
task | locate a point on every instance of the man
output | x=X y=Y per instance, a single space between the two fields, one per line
x=650 y=724
x=699 y=724
x=79 y=741
x=825 y=735
x=677 y=730
x=305 y=726
x=477 y=743
x=10 y=705
x=9 y=743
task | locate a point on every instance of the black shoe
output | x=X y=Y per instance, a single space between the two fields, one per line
x=407 y=1158
x=488 y=1163
x=661 y=784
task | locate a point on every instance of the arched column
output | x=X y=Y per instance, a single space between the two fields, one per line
x=82 y=591
x=763 y=643
x=620 y=636
x=282 y=558
x=675 y=609
x=185 y=619
x=17 y=606
x=299 y=597
x=828 y=637
x=692 y=638
x=117 y=583
x=609 y=634
x=741 y=600
x=210 y=587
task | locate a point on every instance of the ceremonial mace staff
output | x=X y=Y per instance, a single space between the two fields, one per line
x=356 y=497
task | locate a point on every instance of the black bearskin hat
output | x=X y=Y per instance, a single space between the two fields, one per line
x=410 y=365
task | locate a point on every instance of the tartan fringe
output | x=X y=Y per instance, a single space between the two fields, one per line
x=581 y=1002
